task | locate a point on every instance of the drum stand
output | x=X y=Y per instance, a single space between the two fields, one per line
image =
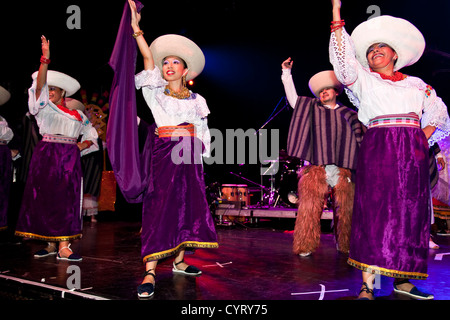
x=273 y=196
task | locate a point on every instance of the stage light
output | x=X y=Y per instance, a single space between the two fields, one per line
x=191 y=82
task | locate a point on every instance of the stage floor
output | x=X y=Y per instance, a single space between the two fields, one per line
x=250 y=213
x=253 y=262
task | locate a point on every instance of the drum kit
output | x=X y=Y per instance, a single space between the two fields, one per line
x=281 y=192
x=283 y=176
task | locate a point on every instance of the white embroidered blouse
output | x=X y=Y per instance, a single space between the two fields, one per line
x=374 y=96
x=169 y=111
x=6 y=133
x=52 y=120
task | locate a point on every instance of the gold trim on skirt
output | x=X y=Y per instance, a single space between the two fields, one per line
x=47 y=238
x=386 y=272
x=186 y=244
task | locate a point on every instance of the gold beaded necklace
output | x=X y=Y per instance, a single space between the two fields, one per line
x=184 y=93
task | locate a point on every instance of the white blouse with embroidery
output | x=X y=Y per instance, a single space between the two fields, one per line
x=52 y=120
x=169 y=111
x=375 y=96
x=6 y=133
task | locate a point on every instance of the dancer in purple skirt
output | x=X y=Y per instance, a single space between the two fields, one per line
x=391 y=216
x=168 y=176
x=51 y=204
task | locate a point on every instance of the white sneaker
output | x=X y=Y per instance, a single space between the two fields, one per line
x=305 y=254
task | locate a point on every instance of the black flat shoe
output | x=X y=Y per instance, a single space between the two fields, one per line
x=190 y=270
x=413 y=293
x=366 y=289
x=45 y=253
x=71 y=257
x=146 y=290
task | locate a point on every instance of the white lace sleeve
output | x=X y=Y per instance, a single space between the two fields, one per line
x=343 y=59
x=35 y=105
x=149 y=78
x=435 y=114
x=289 y=87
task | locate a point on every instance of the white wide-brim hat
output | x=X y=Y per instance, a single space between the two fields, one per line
x=74 y=104
x=60 y=80
x=4 y=96
x=400 y=34
x=322 y=80
x=179 y=46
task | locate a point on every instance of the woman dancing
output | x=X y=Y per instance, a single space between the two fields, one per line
x=175 y=213
x=391 y=215
x=51 y=204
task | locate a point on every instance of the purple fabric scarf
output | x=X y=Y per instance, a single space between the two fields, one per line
x=122 y=131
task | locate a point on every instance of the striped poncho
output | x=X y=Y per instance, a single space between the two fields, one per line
x=324 y=136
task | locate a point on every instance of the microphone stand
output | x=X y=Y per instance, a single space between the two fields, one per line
x=272 y=188
x=276 y=114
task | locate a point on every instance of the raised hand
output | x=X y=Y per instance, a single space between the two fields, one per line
x=41 y=78
x=135 y=16
x=336 y=4
x=149 y=64
x=45 y=47
x=287 y=64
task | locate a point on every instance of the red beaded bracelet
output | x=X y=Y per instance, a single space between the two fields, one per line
x=45 y=60
x=335 y=25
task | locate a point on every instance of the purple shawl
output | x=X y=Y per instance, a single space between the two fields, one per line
x=122 y=130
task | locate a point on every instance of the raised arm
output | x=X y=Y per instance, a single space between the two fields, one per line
x=288 y=83
x=41 y=79
x=337 y=20
x=149 y=64
x=341 y=50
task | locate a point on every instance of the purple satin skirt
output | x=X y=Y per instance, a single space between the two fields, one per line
x=175 y=213
x=5 y=183
x=51 y=204
x=391 y=215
